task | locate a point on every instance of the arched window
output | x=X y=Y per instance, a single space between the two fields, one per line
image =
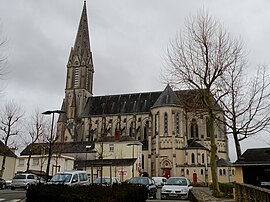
x=145 y=133
x=194 y=129
x=187 y=171
x=177 y=124
x=165 y=123
x=201 y=171
x=156 y=123
x=202 y=158
x=193 y=158
x=220 y=172
x=207 y=127
x=224 y=171
x=76 y=78
x=232 y=171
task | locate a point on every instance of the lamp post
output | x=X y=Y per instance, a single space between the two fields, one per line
x=51 y=137
x=87 y=147
x=132 y=144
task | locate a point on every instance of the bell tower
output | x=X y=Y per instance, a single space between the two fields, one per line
x=79 y=81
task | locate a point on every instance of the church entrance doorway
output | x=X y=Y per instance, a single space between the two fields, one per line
x=166 y=172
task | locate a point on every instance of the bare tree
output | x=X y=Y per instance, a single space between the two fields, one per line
x=35 y=129
x=10 y=117
x=246 y=103
x=197 y=59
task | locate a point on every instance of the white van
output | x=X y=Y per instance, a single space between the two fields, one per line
x=72 y=178
x=160 y=181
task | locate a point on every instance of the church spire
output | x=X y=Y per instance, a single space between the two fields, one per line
x=80 y=62
x=82 y=42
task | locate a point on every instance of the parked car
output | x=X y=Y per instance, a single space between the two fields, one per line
x=8 y=183
x=24 y=180
x=106 y=181
x=176 y=188
x=71 y=178
x=147 y=182
x=160 y=181
x=3 y=184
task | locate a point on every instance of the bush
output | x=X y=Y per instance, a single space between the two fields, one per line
x=93 y=193
x=226 y=190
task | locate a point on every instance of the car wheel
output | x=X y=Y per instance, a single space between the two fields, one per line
x=4 y=186
x=27 y=187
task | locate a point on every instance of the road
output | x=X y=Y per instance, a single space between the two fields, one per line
x=11 y=196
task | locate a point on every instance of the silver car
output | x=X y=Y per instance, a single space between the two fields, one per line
x=176 y=188
x=106 y=181
x=23 y=180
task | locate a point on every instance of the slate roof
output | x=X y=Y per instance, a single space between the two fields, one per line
x=142 y=102
x=192 y=144
x=251 y=157
x=66 y=147
x=113 y=162
x=223 y=163
x=167 y=97
x=5 y=150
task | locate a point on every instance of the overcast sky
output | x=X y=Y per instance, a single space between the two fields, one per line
x=128 y=41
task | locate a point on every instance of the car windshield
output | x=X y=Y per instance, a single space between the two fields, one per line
x=139 y=180
x=177 y=181
x=19 y=177
x=61 y=177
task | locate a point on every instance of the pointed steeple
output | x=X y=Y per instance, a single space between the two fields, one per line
x=80 y=63
x=82 y=43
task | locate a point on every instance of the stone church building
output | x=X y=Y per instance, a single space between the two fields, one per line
x=167 y=129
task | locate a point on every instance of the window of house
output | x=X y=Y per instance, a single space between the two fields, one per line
x=21 y=162
x=201 y=171
x=194 y=129
x=111 y=147
x=187 y=171
x=192 y=158
x=232 y=171
x=165 y=123
x=220 y=172
x=35 y=162
x=224 y=171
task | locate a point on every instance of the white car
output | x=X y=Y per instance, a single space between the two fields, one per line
x=71 y=178
x=176 y=188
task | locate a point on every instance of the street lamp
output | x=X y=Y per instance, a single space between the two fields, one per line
x=87 y=147
x=51 y=137
x=132 y=144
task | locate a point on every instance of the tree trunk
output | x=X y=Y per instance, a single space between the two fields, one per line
x=213 y=162
x=3 y=165
x=237 y=145
x=28 y=162
x=213 y=149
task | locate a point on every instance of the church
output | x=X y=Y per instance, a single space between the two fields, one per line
x=163 y=133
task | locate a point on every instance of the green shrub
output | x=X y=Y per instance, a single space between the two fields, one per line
x=226 y=190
